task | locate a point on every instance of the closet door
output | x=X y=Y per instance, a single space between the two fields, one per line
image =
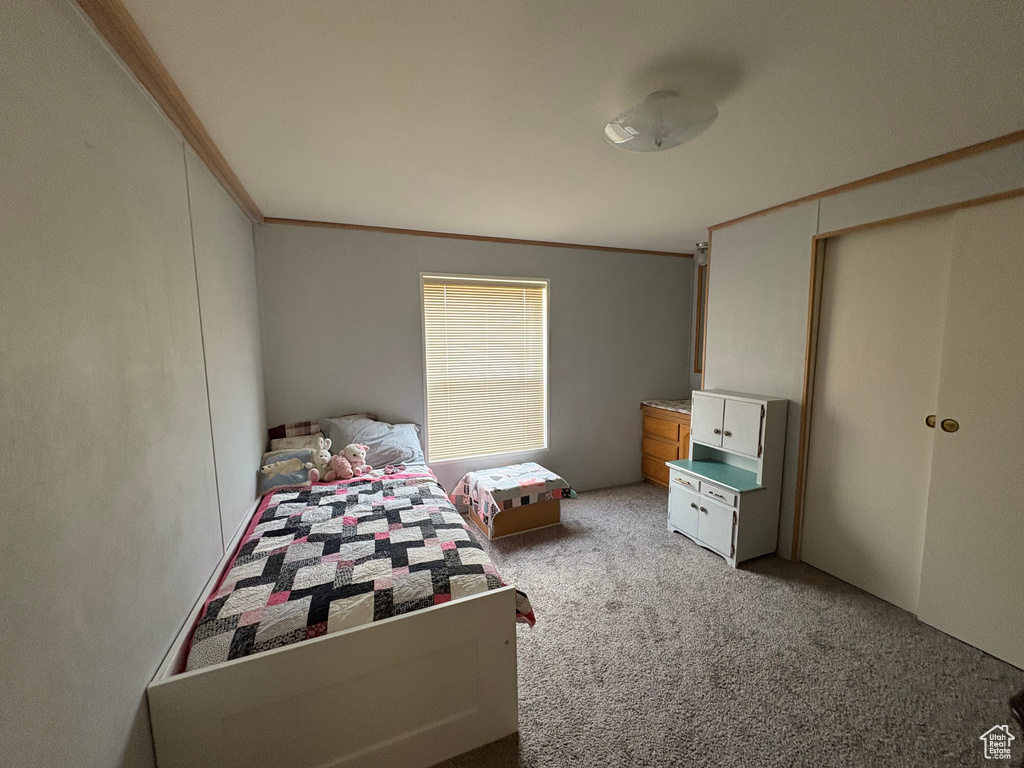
x=883 y=305
x=972 y=579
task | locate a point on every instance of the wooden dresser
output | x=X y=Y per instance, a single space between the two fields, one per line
x=666 y=437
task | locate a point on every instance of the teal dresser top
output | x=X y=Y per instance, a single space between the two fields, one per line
x=734 y=478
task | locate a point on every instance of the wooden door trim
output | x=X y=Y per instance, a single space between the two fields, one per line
x=810 y=345
x=810 y=355
x=702 y=282
x=707 y=313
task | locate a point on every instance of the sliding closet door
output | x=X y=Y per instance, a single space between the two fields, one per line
x=876 y=379
x=972 y=581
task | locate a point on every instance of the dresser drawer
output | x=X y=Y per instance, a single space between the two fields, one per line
x=669 y=430
x=659 y=450
x=716 y=492
x=654 y=469
x=686 y=481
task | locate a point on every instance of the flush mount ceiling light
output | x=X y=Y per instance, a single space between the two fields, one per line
x=661 y=121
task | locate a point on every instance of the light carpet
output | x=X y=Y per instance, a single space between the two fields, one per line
x=651 y=651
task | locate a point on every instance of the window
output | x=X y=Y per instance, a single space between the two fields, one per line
x=485 y=347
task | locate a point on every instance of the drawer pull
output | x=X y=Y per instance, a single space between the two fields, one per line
x=684 y=482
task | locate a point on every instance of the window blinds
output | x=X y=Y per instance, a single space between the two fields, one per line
x=486 y=358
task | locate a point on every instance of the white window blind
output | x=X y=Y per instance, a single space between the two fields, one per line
x=486 y=356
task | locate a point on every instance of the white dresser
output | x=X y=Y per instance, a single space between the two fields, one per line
x=726 y=495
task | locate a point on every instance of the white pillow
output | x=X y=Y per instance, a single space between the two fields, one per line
x=386 y=443
x=295 y=443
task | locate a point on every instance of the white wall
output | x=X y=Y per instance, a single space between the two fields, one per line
x=110 y=508
x=760 y=281
x=343 y=332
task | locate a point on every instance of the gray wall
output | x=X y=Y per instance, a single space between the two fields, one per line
x=110 y=506
x=760 y=281
x=226 y=269
x=343 y=332
x=756 y=304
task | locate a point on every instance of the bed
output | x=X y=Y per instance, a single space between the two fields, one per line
x=354 y=623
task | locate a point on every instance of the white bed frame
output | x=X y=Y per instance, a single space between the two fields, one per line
x=407 y=692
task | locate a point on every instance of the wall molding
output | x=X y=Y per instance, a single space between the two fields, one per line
x=481 y=238
x=116 y=25
x=895 y=173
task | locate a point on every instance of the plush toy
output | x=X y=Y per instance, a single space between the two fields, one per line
x=321 y=460
x=356 y=455
x=283 y=467
x=340 y=469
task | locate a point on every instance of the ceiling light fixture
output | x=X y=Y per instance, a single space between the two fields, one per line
x=661 y=121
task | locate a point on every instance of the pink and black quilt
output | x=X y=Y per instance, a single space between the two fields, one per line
x=339 y=555
x=488 y=492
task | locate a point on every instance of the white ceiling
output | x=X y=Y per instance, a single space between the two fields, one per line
x=486 y=117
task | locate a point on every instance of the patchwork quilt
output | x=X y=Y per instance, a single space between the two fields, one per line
x=338 y=555
x=490 y=491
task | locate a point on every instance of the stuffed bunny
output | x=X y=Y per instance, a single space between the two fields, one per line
x=321 y=459
x=356 y=455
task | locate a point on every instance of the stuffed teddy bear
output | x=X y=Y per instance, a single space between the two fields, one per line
x=356 y=455
x=321 y=460
x=340 y=469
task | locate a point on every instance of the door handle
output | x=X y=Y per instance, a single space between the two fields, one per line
x=929 y=421
x=950 y=425
x=727 y=433
x=693 y=505
x=717 y=431
x=703 y=510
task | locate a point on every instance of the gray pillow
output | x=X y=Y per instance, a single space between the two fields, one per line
x=386 y=443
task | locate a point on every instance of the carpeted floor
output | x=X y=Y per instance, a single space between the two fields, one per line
x=650 y=651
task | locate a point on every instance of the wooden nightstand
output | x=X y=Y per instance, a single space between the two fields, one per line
x=666 y=437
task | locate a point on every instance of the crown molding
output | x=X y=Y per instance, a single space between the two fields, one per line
x=482 y=238
x=116 y=25
x=895 y=173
